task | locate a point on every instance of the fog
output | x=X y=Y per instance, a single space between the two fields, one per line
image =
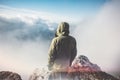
x=99 y=37
x=24 y=42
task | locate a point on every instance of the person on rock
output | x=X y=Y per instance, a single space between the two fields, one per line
x=62 y=50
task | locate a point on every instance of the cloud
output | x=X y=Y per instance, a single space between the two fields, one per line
x=23 y=58
x=10 y=11
x=25 y=36
x=24 y=40
x=99 y=37
x=21 y=26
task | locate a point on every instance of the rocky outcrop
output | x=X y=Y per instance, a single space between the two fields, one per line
x=83 y=63
x=6 y=75
x=81 y=76
x=82 y=69
x=92 y=76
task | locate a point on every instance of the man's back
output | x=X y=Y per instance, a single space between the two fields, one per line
x=65 y=45
x=63 y=48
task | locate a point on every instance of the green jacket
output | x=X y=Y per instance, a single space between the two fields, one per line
x=62 y=50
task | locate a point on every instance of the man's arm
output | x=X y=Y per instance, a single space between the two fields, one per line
x=74 y=52
x=52 y=54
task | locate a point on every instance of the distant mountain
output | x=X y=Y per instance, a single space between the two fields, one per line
x=6 y=75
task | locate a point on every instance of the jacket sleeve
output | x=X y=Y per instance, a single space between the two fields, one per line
x=74 y=52
x=52 y=54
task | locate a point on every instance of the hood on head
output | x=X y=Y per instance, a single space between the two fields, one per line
x=63 y=29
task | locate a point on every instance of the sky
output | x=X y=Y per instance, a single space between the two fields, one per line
x=72 y=9
x=28 y=26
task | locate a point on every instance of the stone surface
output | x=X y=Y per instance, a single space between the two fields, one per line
x=6 y=75
x=82 y=62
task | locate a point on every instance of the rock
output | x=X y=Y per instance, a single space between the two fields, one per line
x=92 y=76
x=81 y=76
x=84 y=63
x=83 y=69
x=6 y=75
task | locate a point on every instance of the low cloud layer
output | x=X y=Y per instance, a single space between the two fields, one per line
x=99 y=37
x=24 y=41
x=16 y=28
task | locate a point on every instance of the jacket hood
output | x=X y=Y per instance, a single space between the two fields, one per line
x=63 y=29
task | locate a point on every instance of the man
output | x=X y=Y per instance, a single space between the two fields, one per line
x=62 y=49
